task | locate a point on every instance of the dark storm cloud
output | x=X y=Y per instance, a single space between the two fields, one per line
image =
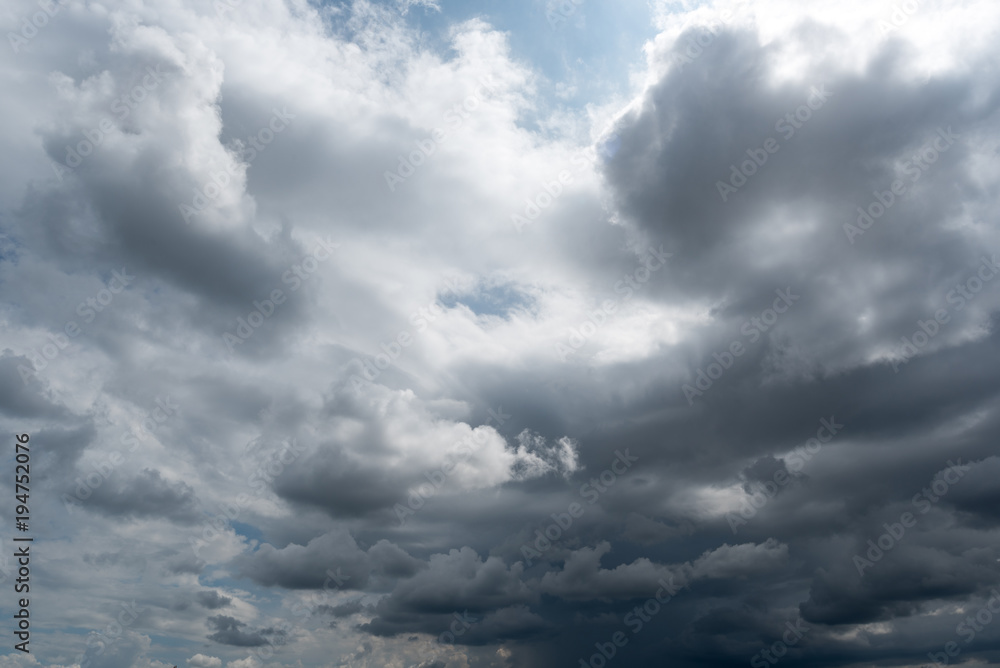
x=332 y=479
x=307 y=566
x=112 y=210
x=227 y=271
x=738 y=440
x=392 y=560
x=330 y=561
x=229 y=631
x=24 y=395
x=342 y=610
x=148 y=495
x=460 y=581
x=978 y=497
x=212 y=600
x=698 y=121
x=62 y=448
x=690 y=127
x=516 y=622
x=765 y=470
x=582 y=577
x=643 y=530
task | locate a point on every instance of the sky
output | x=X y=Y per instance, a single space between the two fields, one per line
x=542 y=334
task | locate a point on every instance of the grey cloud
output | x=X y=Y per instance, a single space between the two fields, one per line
x=229 y=631
x=148 y=495
x=212 y=600
x=22 y=394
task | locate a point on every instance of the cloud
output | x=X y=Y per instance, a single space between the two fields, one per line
x=344 y=609
x=458 y=581
x=123 y=653
x=582 y=577
x=392 y=443
x=213 y=600
x=203 y=661
x=148 y=495
x=297 y=222
x=24 y=395
x=229 y=631
x=307 y=566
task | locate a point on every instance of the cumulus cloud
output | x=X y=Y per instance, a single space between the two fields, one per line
x=203 y=661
